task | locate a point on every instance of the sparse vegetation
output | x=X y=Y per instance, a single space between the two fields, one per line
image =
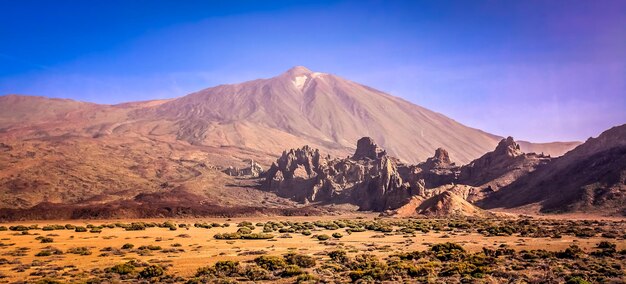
x=362 y=259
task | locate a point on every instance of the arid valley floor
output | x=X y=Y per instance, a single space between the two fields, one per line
x=360 y=247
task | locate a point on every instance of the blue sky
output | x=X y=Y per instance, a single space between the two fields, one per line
x=536 y=70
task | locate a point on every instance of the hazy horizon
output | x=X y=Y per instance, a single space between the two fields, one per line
x=537 y=71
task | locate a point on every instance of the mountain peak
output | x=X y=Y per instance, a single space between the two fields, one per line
x=298 y=71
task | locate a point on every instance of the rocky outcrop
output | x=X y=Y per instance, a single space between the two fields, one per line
x=501 y=167
x=436 y=171
x=375 y=181
x=253 y=170
x=448 y=204
x=590 y=178
x=367 y=149
x=369 y=179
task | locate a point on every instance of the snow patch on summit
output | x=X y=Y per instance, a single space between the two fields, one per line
x=299 y=81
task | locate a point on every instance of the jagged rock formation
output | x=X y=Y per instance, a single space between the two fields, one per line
x=366 y=148
x=375 y=181
x=590 y=178
x=253 y=170
x=436 y=171
x=500 y=167
x=369 y=178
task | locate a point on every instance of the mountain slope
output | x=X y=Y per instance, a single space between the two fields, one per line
x=592 y=177
x=324 y=111
x=298 y=107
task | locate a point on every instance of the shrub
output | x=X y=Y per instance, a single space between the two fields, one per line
x=70 y=227
x=448 y=251
x=95 y=230
x=585 y=233
x=244 y=230
x=571 y=252
x=337 y=235
x=136 y=227
x=301 y=260
x=79 y=250
x=18 y=228
x=364 y=261
x=338 y=256
x=150 y=247
x=291 y=270
x=255 y=273
x=80 y=229
x=271 y=263
x=49 y=251
x=323 y=237
x=226 y=268
x=227 y=236
x=3 y=228
x=303 y=278
x=606 y=245
x=122 y=268
x=46 y=240
x=606 y=249
x=257 y=236
x=128 y=246
x=152 y=271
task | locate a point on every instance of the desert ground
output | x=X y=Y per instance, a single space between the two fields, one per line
x=369 y=248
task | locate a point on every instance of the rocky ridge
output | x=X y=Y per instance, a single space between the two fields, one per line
x=590 y=178
x=373 y=180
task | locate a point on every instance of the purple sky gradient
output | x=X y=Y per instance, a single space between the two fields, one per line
x=537 y=70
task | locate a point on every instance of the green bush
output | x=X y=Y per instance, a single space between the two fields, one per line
x=46 y=240
x=301 y=260
x=291 y=270
x=150 y=247
x=227 y=236
x=122 y=268
x=48 y=251
x=257 y=236
x=18 y=228
x=152 y=271
x=337 y=235
x=448 y=251
x=136 y=227
x=338 y=256
x=226 y=268
x=304 y=278
x=128 y=246
x=244 y=230
x=79 y=250
x=80 y=229
x=270 y=263
x=255 y=273
x=323 y=237
x=572 y=252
